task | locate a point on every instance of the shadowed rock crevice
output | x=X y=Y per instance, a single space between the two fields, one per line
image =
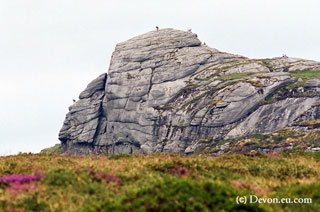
x=165 y=91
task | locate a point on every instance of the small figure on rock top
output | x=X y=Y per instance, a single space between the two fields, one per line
x=189 y=30
x=73 y=100
x=284 y=56
x=157 y=28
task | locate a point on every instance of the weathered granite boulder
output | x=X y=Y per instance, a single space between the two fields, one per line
x=271 y=117
x=165 y=90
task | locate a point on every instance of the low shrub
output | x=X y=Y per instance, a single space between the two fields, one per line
x=60 y=177
x=180 y=194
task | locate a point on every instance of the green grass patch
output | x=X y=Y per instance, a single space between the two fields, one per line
x=55 y=149
x=236 y=76
x=306 y=74
x=205 y=140
x=195 y=99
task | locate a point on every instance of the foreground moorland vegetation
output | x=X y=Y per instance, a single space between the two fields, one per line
x=157 y=182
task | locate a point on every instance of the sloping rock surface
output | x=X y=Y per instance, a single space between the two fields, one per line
x=165 y=90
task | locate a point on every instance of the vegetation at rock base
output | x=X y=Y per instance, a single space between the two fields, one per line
x=280 y=140
x=55 y=149
x=157 y=182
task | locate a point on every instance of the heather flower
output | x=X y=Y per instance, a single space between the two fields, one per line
x=180 y=171
x=237 y=184
x=17 y=188
x=18 y=179
x=91 y=171
x=108 y=178
x=165 y=156
x=276 y=155
x=15 y=210
x=39 y=175
x=103 y=158
x=22 y=178
x=254 y=188
x=79 y=169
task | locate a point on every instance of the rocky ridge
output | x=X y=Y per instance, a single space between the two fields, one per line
x=165 y=91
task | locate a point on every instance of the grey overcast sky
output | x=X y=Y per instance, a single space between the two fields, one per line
x=51 y=49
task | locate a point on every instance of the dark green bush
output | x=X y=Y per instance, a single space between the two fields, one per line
x=119 y=156
x=33 y=204
x=60 y=177
x=180 y=194
x=300 y=191
x=260 y=136
x=278 y=138
x=176 y=194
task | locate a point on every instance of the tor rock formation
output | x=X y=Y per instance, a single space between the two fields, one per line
x=165 y=91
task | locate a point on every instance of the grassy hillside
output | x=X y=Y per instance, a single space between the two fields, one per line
x=157 y=182
x=55 y=149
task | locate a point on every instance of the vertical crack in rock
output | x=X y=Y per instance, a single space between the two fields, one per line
x=150 y=82
x=165 y=140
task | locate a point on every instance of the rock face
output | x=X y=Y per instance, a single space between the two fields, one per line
x=165 y=90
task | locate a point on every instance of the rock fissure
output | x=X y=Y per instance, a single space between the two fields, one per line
x=150 y=82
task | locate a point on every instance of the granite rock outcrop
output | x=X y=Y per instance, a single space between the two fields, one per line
x=165 y=91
